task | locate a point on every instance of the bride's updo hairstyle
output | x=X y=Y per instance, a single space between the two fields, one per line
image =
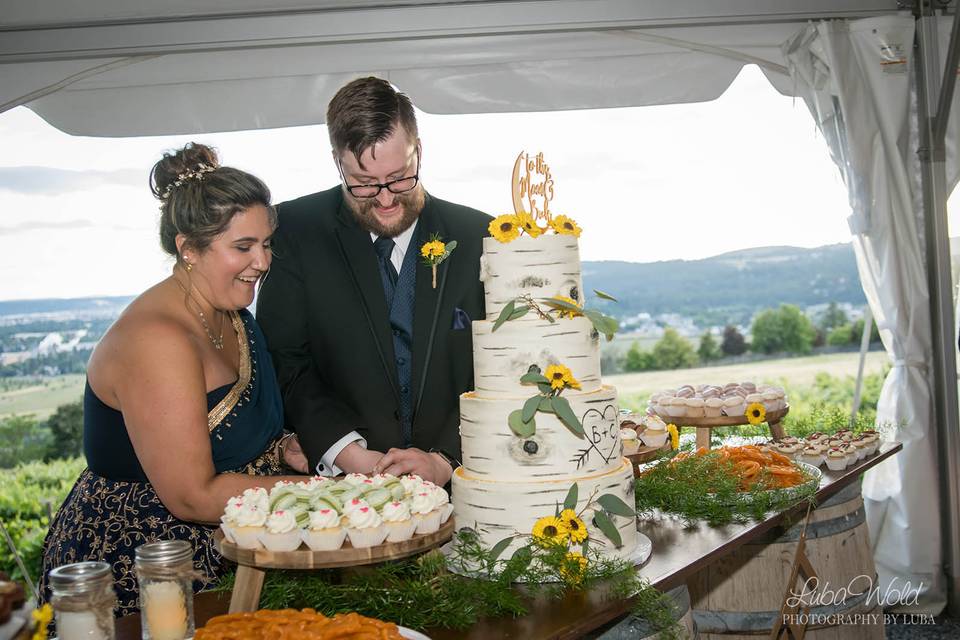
x=199 y=197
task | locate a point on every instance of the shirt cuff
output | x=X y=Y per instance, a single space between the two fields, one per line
x=326 y=467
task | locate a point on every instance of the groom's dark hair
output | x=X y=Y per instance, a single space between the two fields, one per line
x=367 y=111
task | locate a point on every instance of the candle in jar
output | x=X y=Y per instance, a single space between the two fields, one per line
x=79 y=625
x=165 y=614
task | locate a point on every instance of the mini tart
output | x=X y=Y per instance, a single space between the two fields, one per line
x=836 y=459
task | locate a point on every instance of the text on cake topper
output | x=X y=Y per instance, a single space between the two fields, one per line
x=532 y=186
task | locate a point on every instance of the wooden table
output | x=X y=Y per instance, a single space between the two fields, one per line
x=678 y=553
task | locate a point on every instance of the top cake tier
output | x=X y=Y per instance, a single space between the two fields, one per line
x=544 y=267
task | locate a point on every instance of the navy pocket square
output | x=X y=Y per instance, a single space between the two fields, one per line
x=460 y=319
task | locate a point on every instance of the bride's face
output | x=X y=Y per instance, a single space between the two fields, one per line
x=228 y=270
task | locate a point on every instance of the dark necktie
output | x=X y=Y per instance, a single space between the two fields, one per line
x=384 y=248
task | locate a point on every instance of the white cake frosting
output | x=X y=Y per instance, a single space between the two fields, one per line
x=507 y=482
x=543 y=267
x=500 y=357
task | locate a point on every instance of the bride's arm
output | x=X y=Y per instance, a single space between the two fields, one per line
x=162 y=394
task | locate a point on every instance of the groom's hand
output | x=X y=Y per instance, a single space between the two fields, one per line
x=357 y=459
x=428 y=466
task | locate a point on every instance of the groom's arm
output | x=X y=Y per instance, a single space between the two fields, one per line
x=310 y=407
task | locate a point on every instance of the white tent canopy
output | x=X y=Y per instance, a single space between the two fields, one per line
x=121 y=68
x=133 y=68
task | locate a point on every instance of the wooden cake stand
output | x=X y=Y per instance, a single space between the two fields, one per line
x=253 y=563
x=705 y=425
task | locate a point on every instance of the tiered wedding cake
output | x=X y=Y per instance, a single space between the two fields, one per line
x=508 y=481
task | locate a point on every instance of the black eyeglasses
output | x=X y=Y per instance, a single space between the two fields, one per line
x=401 y=185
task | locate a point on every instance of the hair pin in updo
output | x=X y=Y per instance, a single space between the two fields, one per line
x=196 y=174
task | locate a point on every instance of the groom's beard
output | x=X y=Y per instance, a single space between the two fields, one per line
x=411 y=204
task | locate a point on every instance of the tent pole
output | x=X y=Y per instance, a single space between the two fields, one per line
x=933 y=175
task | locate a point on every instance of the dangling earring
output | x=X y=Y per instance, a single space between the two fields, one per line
x=189 y=267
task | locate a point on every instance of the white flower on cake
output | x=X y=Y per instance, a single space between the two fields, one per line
x=324 y=519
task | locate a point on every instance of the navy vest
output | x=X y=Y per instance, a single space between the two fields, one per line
x=400 y=300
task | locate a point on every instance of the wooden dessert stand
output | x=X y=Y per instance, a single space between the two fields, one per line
x=253 y=563
x=646 y=454
x=705 y=425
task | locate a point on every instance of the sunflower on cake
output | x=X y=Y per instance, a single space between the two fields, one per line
x=540 y=421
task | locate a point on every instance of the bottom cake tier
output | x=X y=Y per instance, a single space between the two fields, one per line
x=497 y=510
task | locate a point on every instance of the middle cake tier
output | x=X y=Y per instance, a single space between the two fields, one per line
x=501 y=357
x=492 y=450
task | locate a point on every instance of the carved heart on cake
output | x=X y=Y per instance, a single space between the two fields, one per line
x=602 y=432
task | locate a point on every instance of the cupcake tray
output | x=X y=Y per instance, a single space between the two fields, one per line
x=251 y=563
x=704 y=425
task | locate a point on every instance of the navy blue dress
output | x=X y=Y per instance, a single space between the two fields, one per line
x=113 y=509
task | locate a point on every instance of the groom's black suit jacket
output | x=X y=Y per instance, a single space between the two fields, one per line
x=323 y=311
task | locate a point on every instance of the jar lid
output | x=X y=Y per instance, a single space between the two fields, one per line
x=80 y=576
x=164 y=552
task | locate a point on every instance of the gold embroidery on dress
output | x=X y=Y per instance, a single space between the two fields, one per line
x=225 y=406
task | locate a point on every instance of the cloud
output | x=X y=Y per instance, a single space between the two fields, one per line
x=24 y=227
x=34 y=180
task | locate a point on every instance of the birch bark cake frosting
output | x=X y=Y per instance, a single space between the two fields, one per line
x=540 y=419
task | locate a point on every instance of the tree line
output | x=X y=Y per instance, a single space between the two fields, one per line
x=785 y=329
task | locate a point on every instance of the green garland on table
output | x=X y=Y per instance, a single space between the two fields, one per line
x=702 y=489
x=420 y=593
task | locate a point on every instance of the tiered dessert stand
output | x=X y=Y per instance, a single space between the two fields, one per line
x=704 y=426
x=253 y=563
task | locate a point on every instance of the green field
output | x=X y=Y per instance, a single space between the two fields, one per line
x=42 y=396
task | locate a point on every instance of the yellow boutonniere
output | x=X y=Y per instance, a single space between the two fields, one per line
x=436 y=251
x=756 y=413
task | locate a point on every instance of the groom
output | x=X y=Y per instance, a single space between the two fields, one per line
x=370 y=355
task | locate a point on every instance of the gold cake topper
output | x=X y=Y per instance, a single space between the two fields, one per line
x=532 y=181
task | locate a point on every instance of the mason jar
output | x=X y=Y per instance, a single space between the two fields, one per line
x=165 y=574
x=83 y=601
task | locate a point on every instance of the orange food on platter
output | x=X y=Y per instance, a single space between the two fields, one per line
x=753 y=464
x=291 y=624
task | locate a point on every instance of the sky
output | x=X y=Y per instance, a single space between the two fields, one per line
x=646 y=184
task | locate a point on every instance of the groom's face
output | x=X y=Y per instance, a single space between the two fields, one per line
x=386 y=214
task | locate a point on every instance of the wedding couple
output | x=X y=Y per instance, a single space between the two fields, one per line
x=354 y=363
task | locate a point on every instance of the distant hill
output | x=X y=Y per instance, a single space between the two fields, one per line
x=103 y=305
x=729 y=287
x=726 y=288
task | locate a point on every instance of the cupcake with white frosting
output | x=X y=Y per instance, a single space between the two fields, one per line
x=281 y=531
x=734 y=405
x=676 y=407
x=712 y=407
x=425 y=510
x=695 y=407
x=229 y=518
x=250 y=521
x=628 y=437
x=365 y=527
x=872 y=440
x=655 y=433
x=355 y=479
x=398 y=521
x=441 y=500
x=411 y=483
x=323 y=532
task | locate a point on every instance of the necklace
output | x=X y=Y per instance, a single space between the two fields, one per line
x=217 y=341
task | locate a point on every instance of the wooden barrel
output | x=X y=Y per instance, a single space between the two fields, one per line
x=633 y=628
x=740 y=596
